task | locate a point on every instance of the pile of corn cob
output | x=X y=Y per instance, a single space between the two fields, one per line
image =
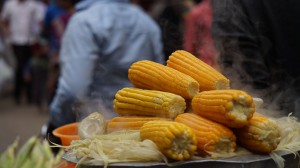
x=33 y=153
x=187 y=108
x=220 y=118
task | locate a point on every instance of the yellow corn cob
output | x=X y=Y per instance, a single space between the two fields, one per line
x=135 y=119
x=175 y=140
x=207 y=77
x=129 y=123
x=151 y=75
x=211 y=136
x=139 y=102
x=233 y=108
x=261 y=135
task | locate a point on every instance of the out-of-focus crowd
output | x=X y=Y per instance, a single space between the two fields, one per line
x=32 y=30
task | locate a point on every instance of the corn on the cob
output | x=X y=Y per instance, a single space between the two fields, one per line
x=151 y=75
x=139 y=102
x=261 y=135
x=177 y=141
x=233 y=108
x=129 y=123
x=211 y=136
x=207 y=77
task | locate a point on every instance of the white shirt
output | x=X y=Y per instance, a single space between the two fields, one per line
x=21 y=17
x=40 y=14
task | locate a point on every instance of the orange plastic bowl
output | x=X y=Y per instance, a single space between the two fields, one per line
x=67 y=133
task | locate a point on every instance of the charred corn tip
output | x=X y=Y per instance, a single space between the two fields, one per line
x=261 y=135
x=207 y=77
x=232 y=108
x=140 y=102
x=175 y=140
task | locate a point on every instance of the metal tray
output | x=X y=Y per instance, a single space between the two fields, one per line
x=245 y=161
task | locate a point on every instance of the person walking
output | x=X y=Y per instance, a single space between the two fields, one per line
x=18 y=18
x=197 y=33
x=102 y=40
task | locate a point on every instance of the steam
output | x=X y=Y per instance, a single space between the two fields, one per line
x=85 y=107
x=230 y=28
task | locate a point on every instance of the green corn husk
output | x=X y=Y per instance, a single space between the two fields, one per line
x=7 y=159
x=46 y=149
x=37 y=155
x=28 y=163
x=33 y=154
x=49 y=163
x=24 y=152
x=36 y=151
x=39 y=162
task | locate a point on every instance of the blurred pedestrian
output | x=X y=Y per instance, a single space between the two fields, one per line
x=102 y=40
x=39 y=70
x=58 y=26
x=197 y=33
x=170 y=21
x=60 y=22
x=54 y=11
x=18 y=18
x=259 y=40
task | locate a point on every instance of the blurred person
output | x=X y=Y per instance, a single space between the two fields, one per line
x=53 y=11
x=102 y=40
x=259 y=41
x=60 y=22
x=41 y=7
x=145 y=4
x=18 y=18
x=38 y=64
x=59 y=25
x=197 y=33
x=1 y=4
x=170 y=20
x=39 y=67
x=6 y=70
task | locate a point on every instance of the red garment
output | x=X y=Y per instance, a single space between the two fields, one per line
x=197 y=35
x=60 y=24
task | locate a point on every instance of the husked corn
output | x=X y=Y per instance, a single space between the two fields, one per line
x=233 y=108
x=261 y=135
x=154 y=76
x=175 y=140
x=211 y=136
x=140 y=102
x=207 y=77
x=129 y=122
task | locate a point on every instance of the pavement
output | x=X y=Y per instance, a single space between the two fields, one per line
x=21 y=121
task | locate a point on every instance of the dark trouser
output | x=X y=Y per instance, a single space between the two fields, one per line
x=22 y=54
x=39 y=80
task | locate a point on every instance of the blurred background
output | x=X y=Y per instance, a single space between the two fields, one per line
x=29 y=69
x=40 y=38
